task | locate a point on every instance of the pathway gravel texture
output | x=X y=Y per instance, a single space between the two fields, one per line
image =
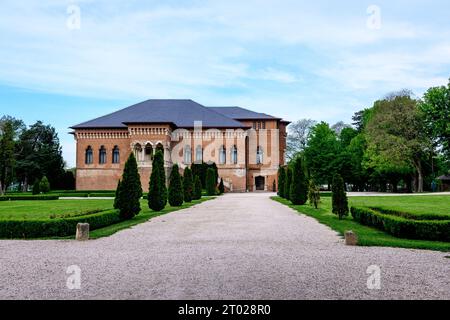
x=239 y=246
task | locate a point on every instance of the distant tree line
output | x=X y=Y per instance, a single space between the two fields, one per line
x=27 y=154
x=399 y=142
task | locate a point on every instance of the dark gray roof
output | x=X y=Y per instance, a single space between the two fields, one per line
x=181 y=113
x=445 y=177
x=239 y=113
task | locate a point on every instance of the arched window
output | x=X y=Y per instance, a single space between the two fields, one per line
x=138 y=152
x=116 y=154
x=148 y=152
x=234 y=155
x=187 y=155
x=102 y=155
x=199 y=154
x=222 y=155
x=89 y=159
x=259 y=155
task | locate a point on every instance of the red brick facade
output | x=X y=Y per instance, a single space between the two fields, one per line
x=265 y=140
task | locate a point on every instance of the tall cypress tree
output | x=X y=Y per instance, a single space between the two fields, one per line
x=130 y=191
x=340 y=201
x=157 y=194
x=299 y=186
x=287 y=187
x=188 y=185
x=197 y=194
x=117 y=198
x=221 y=186
x=175 y=188
x=281 y=182
x=210 y=182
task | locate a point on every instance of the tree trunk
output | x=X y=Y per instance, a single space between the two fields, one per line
x=418 y=167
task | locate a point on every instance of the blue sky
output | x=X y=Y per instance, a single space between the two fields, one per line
x=295 y=59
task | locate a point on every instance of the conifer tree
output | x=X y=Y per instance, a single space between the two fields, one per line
x=210 y=182
x=281 y=182
x=36 y=189
x=288 y=184
x=130 y=191
x=221 y=187
x=175 y=188
x=197 y=194
x=340 y=201
x=117 y=198
x=188 y=185
x=157 y=195
x=299 y=186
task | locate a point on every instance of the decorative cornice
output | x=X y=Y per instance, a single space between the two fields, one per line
x=142 y=131
x=101 y=135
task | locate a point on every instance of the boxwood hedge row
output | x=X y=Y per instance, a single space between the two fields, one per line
x=61 y=227
x=23 y=197
x=401 y=227
x=413 y=216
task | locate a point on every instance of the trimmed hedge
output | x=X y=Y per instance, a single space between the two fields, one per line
x=413 y=216
x=62 y=227
x=398 y=226
x=35 y=197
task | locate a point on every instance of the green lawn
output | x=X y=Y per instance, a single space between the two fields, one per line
x=411 y=204
x=35 y=209
x=63 y=208
x=372 y=237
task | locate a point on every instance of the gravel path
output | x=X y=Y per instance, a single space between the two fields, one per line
x=239 y=246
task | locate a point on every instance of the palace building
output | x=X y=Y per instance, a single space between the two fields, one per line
x=248 y=147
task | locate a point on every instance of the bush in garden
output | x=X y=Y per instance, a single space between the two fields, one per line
x=340 y=201
x=44 y=185
x=175 y=188
x=313 y=195
x=157 y=195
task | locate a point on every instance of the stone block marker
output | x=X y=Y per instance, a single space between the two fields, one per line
x=351 y=239
x=82 y=232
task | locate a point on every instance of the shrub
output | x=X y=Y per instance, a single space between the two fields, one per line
x=59 y=227
x=434 y=230
x=157 y=195
x=44 y=185
x=299 y=188
x=313 y=194
x=340 y=201
x=281 y=182
x=197 y=194
x=116 y=198
x=36 y=189
x=221 y=187
x=188 y=185
x=130 y=191
x=210 y=182
x=32 y=197
x=200 y=169
x=175 y=188
x=288 y=183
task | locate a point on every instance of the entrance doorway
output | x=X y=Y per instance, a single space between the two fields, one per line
x=260 y=183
